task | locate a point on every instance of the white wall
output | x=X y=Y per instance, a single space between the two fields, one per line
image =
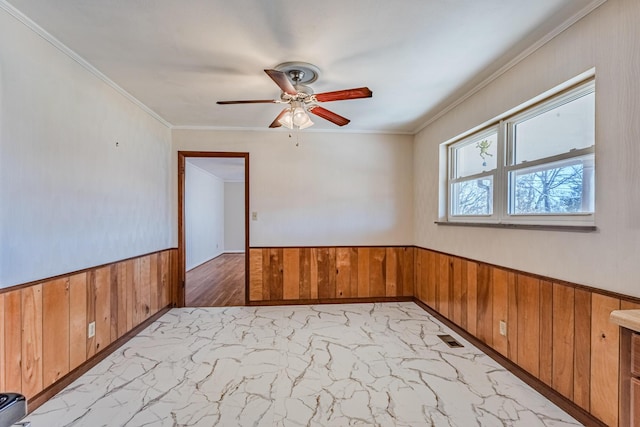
x=69 y=198
x=204 y=216
x=234 y=217
x=334 y=189
x=607 y=39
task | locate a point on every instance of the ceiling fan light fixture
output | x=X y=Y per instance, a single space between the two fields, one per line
x=296 y=117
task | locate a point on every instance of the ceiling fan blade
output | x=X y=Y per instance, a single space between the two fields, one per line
x=252 y=101
x=339 y=95
x=329 y=115
x=276 y=123
x=282 y=81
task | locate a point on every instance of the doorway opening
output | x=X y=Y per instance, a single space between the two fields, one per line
x=213 y=228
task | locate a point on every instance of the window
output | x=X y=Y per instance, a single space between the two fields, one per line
x=533 y=167
x=475 y=161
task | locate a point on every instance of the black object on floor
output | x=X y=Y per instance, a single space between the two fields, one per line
x=450 y=341
x=13 y=407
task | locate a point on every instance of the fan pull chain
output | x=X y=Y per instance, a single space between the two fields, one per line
x=297 y=132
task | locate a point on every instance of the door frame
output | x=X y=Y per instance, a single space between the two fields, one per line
x=182 y=273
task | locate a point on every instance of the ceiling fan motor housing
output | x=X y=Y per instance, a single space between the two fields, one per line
x=299 y=72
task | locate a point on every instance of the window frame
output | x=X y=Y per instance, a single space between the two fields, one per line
x=506 y=168
x=452 y=180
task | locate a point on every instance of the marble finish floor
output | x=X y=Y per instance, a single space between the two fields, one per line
x=324 y=365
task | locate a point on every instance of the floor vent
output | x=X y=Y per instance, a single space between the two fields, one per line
x=450 y=341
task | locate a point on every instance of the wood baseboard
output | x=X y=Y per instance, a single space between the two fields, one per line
x=331 y=301
x=63 y=382
x=565 y=404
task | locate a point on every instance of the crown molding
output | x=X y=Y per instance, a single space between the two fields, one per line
x=593 y=5
x=11 y=10
x=29 y=23
x=285 y=130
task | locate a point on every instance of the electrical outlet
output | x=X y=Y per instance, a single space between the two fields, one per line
x=254 y=216
x=92 y=330
x=503 y=328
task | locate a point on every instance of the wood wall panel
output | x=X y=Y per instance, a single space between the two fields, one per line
x=44 y=326
x=291 y=274
x=512 y=325
x=102 y=293
x=420 y=274
x=305 y=273
x=154 y=273
x=141 y=292
x=326 y=273
x=55 y=330
x=364 y=282
x=256 y=277
x=32 y=382
x=266 y=275
x=113 y=293
x=391 y=272
x=126 y=273
x=472 y=296
x=443 y=297
x=605 y=357
x=500 y=291
x=546 y=332
x=346 y=272
x=176 y=287
x=77 y=320
x=528 y=300
x=433 y=274
x=409 y=272
x=456 y=293
x=12 y=341
x=485 y=304
x=582 y=350
x=91 y=312
x=326 y=262
x=313 y=274
x=377 y=282
x=563 y=339
x=430 y=289
x=276 y=278
x=165 y=289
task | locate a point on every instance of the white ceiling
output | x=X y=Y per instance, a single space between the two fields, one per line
x=417 y=56
x=228 y=169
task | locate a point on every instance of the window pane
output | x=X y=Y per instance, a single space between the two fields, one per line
x=476 y=156
x=556 y=188
x=566 y=127
x=474 y=197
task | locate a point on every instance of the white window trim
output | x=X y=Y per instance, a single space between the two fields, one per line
x=505 y=164
x=453 y=180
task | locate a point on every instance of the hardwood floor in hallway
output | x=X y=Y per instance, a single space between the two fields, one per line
x=217 y=283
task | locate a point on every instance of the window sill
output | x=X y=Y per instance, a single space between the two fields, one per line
x=573 y=228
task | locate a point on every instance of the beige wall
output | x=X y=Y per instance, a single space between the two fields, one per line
x=234 y=217
x=69 y=198
x=607 y=39
x=334 y=189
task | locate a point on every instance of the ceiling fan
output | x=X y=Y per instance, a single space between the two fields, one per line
x=292 y=78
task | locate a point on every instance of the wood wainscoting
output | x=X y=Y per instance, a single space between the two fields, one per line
x=330 y=274
x=44 y=325
x=557 y=332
